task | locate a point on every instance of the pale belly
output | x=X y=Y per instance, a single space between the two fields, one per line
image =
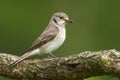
x=55 y=43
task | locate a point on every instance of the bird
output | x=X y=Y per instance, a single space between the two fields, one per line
x=50 y=39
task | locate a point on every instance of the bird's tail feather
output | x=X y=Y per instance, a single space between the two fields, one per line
x=20 y=59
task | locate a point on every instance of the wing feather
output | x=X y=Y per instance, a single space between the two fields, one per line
x=49 y=34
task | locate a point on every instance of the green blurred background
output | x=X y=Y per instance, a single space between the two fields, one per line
x=96 y=25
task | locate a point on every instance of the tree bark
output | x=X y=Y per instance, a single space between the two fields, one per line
x=75 y=67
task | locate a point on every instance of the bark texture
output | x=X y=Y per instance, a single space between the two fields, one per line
x=74 y=67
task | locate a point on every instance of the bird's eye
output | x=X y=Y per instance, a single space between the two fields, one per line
x=61 y=17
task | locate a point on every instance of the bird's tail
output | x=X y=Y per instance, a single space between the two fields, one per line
x=20 y=59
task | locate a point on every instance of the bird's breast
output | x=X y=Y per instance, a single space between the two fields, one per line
x=56 y=42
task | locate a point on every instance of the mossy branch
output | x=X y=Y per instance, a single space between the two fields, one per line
x=74 y=67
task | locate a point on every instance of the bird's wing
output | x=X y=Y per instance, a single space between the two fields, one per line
x=46 y=36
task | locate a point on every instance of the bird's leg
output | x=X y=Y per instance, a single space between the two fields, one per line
x=50 y=54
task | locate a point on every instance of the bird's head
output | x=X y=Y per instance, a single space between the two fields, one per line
x=60 y=18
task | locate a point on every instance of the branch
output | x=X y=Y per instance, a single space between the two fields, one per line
x=75 y=67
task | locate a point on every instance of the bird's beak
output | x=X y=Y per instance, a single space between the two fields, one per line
x=69 y=21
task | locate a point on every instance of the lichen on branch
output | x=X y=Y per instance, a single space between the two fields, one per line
x=74 y=67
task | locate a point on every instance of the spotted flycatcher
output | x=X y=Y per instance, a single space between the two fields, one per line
x=51 y=38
